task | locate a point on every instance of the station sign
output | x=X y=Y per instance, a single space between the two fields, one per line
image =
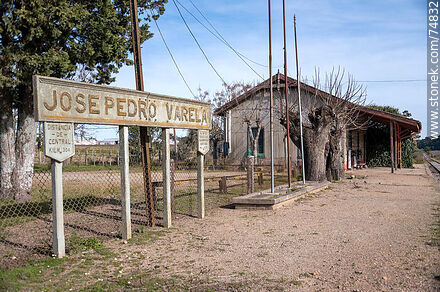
x=60 y=100
x=59 y=143
x=203 y=141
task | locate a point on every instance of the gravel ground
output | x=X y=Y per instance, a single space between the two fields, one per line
x=370 y=233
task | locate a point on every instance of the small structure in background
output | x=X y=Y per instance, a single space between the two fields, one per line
x=113 y=141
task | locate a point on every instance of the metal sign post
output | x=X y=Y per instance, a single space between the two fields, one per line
x=272 y=175
x=286 y=95
x=58 y=145
x=144 y=138
x=202 y=149
x=299 y=104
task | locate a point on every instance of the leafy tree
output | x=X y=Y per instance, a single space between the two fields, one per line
x=429 y=144
x=388 y=109
x=81 y=40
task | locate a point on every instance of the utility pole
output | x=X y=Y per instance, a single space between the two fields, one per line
x=299 y=103
x=286 y=93
x=272 y=180
x=143 y=131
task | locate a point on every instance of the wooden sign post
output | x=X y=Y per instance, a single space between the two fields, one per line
x=202 y=149
x=59 y=101
x=59 y=146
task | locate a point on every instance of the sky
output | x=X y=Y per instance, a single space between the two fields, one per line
x=372 y=40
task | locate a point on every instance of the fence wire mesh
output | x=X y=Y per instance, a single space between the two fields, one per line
x=92 y=195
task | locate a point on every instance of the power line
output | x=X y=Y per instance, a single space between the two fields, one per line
x=221 y=38
x=198 y=44
x=213 y=27
x=172 y=57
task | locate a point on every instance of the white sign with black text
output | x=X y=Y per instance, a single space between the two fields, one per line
x=203 y=141
x=58 y=141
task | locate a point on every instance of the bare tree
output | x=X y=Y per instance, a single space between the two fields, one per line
x=228 y=92
x=328 y=108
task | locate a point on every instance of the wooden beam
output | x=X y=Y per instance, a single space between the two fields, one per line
x=392 y=146
x=395 y=146
x=400 y=152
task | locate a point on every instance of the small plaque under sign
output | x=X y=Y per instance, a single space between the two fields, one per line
x=203 y=141
x=58 y=140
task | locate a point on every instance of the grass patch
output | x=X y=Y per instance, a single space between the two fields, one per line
x=18 y=278
x=77 y=244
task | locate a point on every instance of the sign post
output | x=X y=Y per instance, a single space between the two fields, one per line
x=60 y=103
x=58 y=145
x=166 y=178
x=125 y=182
x=202 y=149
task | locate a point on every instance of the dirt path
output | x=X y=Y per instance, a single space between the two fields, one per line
x=370 y=233
x=366 y=234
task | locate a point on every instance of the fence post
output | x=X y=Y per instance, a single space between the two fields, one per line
x=59 y=248
x=200 y=186
x=260 y=179
x=250 y=175
x=172 y=186
x=222 y=185
x=125 y=182
x=166 y=178
x=85 y=157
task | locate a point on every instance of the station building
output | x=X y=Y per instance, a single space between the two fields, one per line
x=254 y=104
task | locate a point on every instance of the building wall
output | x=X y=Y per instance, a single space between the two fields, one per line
x=236 y=131
x=356 y=142
x=237 y=136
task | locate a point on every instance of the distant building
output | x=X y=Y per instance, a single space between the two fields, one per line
x=90 y=141
x=113 y=141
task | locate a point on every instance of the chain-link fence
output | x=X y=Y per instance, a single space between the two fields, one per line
x=92 y=195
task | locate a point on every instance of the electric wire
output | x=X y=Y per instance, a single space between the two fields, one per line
x=220 y=38
x=172 y=56
x=220 y=35
x=198 y=44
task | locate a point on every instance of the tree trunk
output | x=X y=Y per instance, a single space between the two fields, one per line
x=316 y=132
x=335 y=166
x=314 y=155
x=7 y=150
x=25 y=148
x=254 y=141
